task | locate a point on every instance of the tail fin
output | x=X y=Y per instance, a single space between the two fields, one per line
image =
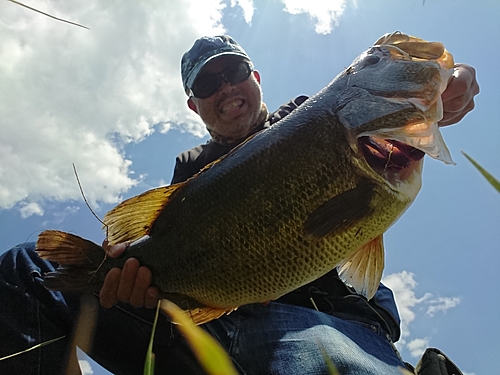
x=78 y=258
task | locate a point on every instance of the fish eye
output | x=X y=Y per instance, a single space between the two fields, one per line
x=371 y=60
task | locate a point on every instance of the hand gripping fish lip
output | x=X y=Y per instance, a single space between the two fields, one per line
x=399 y=73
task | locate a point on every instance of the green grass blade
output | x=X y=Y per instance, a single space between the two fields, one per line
x=207 y=350
x=149 y=364
x=492 y=180
x=33 y=347
x=332 y=370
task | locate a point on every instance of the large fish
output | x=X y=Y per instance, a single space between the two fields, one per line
x=315 y=191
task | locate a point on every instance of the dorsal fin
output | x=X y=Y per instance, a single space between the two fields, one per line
x=133 y=218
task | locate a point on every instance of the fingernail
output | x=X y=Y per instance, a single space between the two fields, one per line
x=117 y=250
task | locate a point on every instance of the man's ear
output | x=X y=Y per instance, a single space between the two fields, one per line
x=256 y=74
x=191 y=104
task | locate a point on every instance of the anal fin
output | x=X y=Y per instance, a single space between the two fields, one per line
x=199 y=315
x=195 y=311
x=207 y=314
x=363 y=268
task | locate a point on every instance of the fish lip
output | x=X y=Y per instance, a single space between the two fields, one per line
x=388 y=157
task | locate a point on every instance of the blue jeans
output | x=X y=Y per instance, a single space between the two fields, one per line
x=286 y=339
x=30 y=315
x=273 y=339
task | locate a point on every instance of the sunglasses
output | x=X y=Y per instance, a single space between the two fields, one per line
x=208 y=84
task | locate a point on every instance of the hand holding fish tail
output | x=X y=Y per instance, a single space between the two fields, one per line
x=458 y=98
x=132 y=284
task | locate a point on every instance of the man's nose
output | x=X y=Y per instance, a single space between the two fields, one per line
x=226 y=87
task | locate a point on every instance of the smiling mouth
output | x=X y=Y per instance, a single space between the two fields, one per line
x=231 y=105
x=388 y=154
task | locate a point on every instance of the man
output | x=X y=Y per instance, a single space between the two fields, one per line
x=283 y=337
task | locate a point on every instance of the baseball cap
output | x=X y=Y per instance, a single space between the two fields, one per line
x=204 y=50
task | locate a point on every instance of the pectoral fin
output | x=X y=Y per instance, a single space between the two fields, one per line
x=340 y=212
x=363 y=269
x=133 y=218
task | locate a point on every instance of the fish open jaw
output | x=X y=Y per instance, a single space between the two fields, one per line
x=388 y=153
x=395 y=148
x=393 y=160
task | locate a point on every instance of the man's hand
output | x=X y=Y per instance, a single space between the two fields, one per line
x=132 y=284
x=458 y=98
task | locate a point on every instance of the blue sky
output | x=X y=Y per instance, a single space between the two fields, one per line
x=110 y=100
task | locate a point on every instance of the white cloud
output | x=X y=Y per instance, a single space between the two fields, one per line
x=417 y=347
x=442 y=304
x=71 y=95
x=403 y=285
x=247 y=8
x=59 y=216
x=85 y=367
x=325 y=14
x=28 y=209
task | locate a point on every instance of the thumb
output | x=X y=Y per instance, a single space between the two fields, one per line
x=116 y=250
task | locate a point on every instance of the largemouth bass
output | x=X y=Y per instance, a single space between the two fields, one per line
x=313 y=192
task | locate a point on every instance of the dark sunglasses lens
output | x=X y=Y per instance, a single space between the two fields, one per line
x=236 y=73
x=206 y=86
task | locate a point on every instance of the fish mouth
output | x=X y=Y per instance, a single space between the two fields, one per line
x=388 y=157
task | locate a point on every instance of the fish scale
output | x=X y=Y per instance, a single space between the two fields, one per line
x=302 y=195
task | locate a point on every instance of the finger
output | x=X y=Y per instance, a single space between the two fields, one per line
x=107 y=295
x=458 y=104
x=127 y=280
x=458 y=85
x=458 y=99
x=450 y=118
x=116 y=250
x=142 y=283
x=463 y=81
x=151 y=299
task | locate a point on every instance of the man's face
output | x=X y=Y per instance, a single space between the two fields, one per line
x=232 y=112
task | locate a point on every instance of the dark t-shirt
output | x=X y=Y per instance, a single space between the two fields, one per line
x=192 y=161
x=328 y=293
